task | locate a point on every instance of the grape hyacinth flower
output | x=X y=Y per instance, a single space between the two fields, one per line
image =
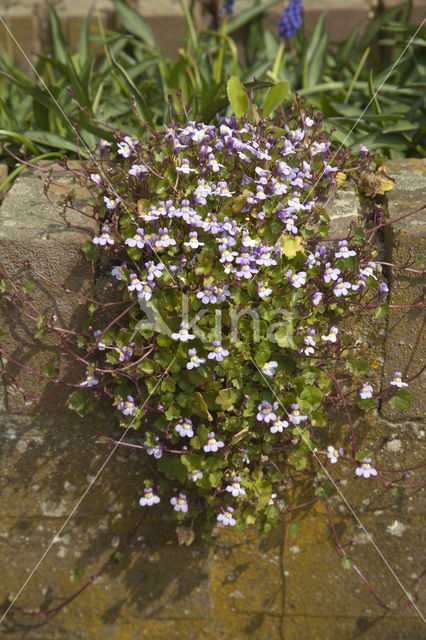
x=266 y=411
x=180 y=504
x=397 y=380
x=235 y=488
x=334 y=454
x=218 y=352
x=149 y=498
x=291 y=19
x=268 y=369
x=366 y=469
x=127 y=406
x=227 y=518
x=331 y=337
x=194 y=360
x=185 y=429
x=295 y=416
x=183 y=334
x=90 y=381
x=104 y=238
x=212 y=444
x=228 y=7
x=366 y=391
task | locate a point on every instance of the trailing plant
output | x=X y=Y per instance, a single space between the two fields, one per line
x=228 y=349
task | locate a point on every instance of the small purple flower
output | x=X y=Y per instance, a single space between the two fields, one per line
x=117 y=271
x=383 y=288
x=366 y=391
x=127 y=406
x=137 y=240
x=104 y=144
x=343 y=251
x=149 y=498
x=183 y=334
x=96 y=178
x=156 y=450
x=194 y=361
x=164 y=240
x=334 y=454
x=331 y=337
x=185 y=429
x=316 y=297
x=291 y=19
x=104 y=238
x=154 y=270
x=397 y=380
x=194 y=243
x=297 y=280
x=184 y=166
x=278 y=426
x=331 y=273
x=235 y=488
x=207 y=295
x=366 y=469
x=138 y=170
x=227 y=518
x=266 y=411
x=195 y=475
x=295 y=416
x=218 y=352
x=90 y=381
x=268 y=369
x=124 y=354
x=127 y=147
x=135 y=283
x=212 y=444
x=361 y=283
x=111 y=203
x=146 y=292
x=180 y=504
x=319 y=147
x=341 y=288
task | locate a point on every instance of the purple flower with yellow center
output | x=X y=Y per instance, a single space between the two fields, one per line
x=222 y=190
x=138 y=170
x=135 y=283
x=319 y=147
x=127 y=147
x=268 y=369
x=213 y=164
x=104 y=144
x=111 y=203
x=316 y=297
x=369 y=270
x=195 y=475
x=194 y=360
x=235 y=488
x=341 y=288
x=295 y=416
x=278 y=426
x=366 y=391
x=332 y=336
x=127 y=406
x=366 y=469
x=194 y=243
x=264 y=257
x=183 y=334
x=383 y=288
x=262 y=290
x=218 y=353
x=180 y=504
x=137 y=240
x=96 y=178
x=266 y=411
x=331 y=273
x=343 y=250
x=361 y=283
x=184 y=166
x=104 y=238
x=164 y=239
x=117 y=271
x=146 y=292
x=185 y=429
x=222 y=293
x=334 y=454
x=124 y=353
x=227 y=518
x=297 y=280
x=90 y=381
x=245 y=271
x=149 y=498
x=207 y=295
x=212 y=444
x=154 y=270
x=397 y=380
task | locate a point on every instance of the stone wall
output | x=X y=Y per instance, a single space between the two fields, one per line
x=28 y=20
x=241 y=587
